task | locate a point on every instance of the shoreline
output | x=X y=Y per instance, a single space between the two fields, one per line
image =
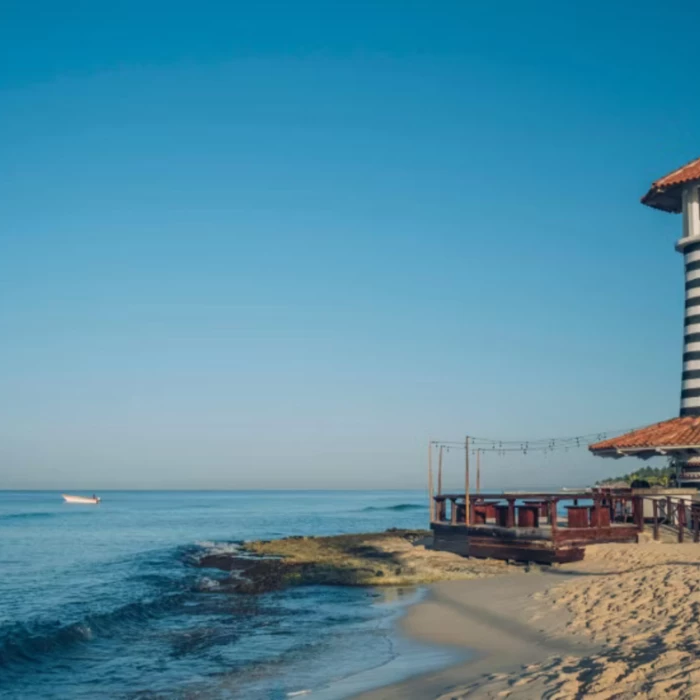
x=395 y=566
x=381 y=561
x=622 y=623
x=410 y=657
x=488 y=620
x=617 y=624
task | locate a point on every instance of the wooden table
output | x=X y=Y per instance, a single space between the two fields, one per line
x=577 y=516
x=604 y=520
x=542 y=506
x=529 y=515
x=479 y=513
x=490 y=507
x=503 y=515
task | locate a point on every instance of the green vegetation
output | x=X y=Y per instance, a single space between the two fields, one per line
x=655 y=476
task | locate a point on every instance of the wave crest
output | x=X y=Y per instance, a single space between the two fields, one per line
x=23 y=642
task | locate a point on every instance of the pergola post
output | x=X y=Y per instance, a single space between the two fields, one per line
x=466 y=481
x=431 y=502
x=478 y=471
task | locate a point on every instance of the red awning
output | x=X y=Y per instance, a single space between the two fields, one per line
x=678 y=437
x=665 y=193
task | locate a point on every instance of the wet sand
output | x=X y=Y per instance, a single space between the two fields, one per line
x=623 y=623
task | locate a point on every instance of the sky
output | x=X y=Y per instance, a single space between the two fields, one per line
x=283 y=245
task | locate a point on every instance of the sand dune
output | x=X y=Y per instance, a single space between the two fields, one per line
x=624 y=623
x=641 y=603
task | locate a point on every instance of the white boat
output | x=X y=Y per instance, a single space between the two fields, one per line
x=85 y=500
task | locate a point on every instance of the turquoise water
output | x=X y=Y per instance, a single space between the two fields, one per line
x=104 y=601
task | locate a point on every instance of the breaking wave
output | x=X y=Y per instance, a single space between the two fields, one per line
x=207 y=547
x=24 y=642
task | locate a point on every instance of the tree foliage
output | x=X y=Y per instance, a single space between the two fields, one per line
x=656 y=476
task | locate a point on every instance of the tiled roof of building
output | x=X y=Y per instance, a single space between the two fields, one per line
x=665 y=193
x=678 y=434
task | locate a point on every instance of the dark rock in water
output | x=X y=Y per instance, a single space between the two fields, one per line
x=223 y=562
x=251 y=575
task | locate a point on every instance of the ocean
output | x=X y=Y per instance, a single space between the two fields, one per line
x=105 y=601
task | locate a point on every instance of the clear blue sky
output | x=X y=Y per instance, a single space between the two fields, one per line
x=282 y=244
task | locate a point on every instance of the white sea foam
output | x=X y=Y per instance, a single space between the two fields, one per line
x=208 y=584
x=219 y=547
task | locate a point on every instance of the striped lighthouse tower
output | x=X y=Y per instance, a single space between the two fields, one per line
x=679 y=192
x=678 y=438
x=689 y=245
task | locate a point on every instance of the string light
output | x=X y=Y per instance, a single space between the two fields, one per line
x=543 y=445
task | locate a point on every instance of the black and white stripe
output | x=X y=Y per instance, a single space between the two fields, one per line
x=690 y=388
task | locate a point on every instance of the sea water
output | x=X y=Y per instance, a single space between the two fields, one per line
x=106 y=601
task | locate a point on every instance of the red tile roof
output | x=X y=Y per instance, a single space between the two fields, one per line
x=680 y=432
x=665 y=193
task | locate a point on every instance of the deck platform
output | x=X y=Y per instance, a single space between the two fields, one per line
x=553 y=539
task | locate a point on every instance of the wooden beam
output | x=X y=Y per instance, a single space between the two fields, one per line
x=431 y=503
x=553 y=516
x=466 y=480
x=478 y=471
x=596 y=507
x=638 y=512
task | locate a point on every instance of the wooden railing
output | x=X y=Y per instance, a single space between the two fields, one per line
x=681 y=515
x=621 y=507
x=678 y=514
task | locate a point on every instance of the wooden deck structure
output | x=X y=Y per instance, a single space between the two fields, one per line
x=530 y=527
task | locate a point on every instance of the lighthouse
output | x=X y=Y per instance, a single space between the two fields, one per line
x=679 y=192
x=678 y=438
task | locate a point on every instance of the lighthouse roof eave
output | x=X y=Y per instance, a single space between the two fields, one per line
x=666 y=192
x=677 y=437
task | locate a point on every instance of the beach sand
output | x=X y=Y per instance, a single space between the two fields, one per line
x=624 y=623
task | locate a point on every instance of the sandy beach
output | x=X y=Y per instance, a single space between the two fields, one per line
x=621 y=624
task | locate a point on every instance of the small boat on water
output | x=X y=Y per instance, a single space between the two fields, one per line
x=85 y=500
